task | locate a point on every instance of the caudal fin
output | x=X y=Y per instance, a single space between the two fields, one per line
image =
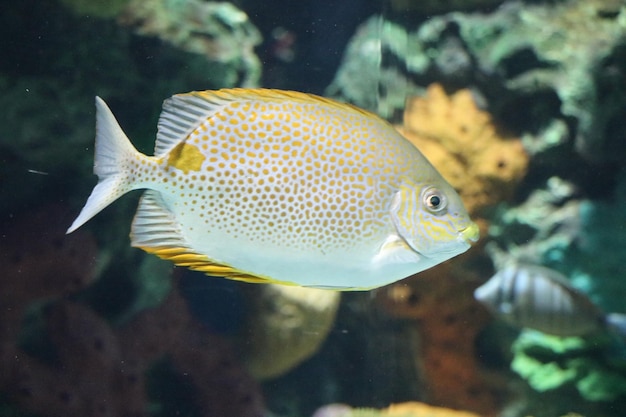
x=113 y=155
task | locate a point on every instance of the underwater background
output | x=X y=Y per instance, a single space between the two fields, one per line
x=521 y=105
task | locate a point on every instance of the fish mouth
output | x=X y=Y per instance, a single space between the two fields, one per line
x=471 y=233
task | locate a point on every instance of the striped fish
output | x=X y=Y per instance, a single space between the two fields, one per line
x=540 y=298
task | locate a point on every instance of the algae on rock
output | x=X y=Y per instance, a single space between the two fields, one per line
x=582 y=370
x=535 y=63
x=219 y=31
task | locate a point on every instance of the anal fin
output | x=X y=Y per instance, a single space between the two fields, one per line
x=156 y=231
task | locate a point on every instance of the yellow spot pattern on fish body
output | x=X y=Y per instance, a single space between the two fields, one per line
x=305 y=193
x=268 y=185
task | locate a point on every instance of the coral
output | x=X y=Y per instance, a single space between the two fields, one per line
x=575 y=49
x=572 y=365
x=60 y=357
x=555 y=227
x=465 y=145
x=408 y=409
x=446 y=320
x=217 y=30
x=539 y=65
x=414 y=409
x=539 y=229
x=285 y=326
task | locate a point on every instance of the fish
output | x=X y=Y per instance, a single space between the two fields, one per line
x=536 y=297
x=264 y=185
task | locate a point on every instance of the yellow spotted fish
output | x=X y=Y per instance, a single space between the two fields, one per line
x=278 y=186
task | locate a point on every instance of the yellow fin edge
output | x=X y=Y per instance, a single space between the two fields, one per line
x=269 y=94
x=184 y=257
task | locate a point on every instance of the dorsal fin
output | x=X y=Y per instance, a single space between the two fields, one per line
x=155 y=231
x=182 y=113
x=180 y=116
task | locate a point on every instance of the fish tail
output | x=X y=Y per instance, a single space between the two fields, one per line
x=617 y=323
x=114 y=153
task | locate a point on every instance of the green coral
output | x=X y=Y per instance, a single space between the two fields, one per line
x=541 y=376
x=599 y=384
x=552 y=363
x=537 y=359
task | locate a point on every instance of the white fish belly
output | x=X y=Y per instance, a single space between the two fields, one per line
x=260 y=247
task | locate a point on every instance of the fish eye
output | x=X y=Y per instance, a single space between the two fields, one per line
x=434 y=200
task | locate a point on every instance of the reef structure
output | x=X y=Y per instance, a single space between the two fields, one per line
x=542 y=67
x=217 y=30
x=60 y=357
x=569 y=233
x=551 y=72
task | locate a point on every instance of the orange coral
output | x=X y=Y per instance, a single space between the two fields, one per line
x=463 y=143
x=423 y=410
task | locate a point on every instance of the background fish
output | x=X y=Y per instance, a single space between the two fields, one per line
x=268 y=185
x=542 y=299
